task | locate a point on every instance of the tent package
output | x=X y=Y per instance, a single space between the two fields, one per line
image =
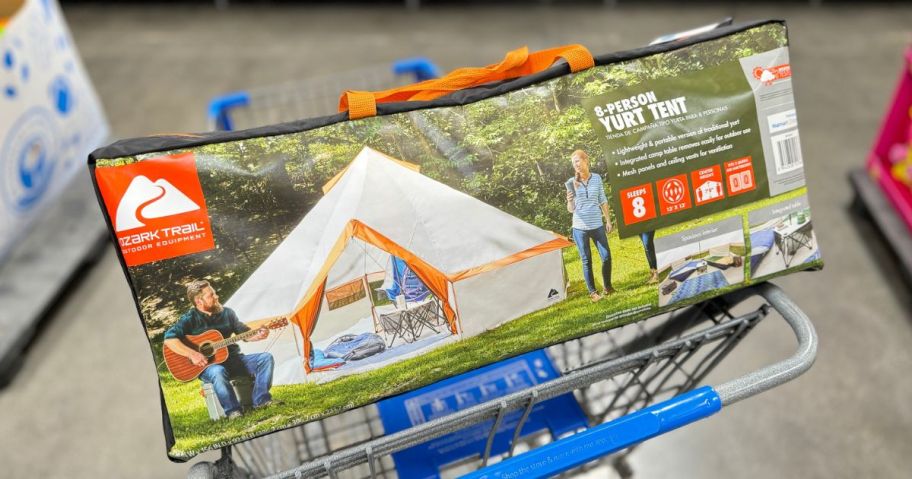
x=443 y=226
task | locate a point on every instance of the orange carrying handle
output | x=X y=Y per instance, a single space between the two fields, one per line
x=517 y=63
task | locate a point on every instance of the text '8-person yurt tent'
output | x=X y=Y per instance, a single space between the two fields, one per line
x=381 y=218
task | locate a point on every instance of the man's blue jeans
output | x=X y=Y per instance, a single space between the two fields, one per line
x=598 y=236
x=258 y=365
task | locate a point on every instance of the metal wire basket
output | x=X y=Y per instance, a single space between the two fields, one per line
x=634 y=383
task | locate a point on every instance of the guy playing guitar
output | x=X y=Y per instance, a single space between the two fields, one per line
x=216 y=329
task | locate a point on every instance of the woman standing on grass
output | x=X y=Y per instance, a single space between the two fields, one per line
x=586 y=200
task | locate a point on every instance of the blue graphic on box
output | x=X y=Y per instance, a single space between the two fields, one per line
x=39 y=87
x=559 y=415
x=48 y=11
x=9 y=66
x=60 y=94
x=30 y=154
x=60 y=91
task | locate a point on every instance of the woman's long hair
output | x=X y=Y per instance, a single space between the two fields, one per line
x=577 y=179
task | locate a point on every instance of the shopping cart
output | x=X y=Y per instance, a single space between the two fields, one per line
x=310 y=98
x=632 y=383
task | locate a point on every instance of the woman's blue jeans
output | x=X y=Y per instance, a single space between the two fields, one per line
x=648 y=239
x=598 y=236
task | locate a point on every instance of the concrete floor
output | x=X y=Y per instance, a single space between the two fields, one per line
x=156 y=68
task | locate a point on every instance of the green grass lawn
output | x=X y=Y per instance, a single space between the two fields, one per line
x=577 y=316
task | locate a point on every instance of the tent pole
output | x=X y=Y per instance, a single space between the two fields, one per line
x=456 y=309
x=370 y=297
x=294 y=333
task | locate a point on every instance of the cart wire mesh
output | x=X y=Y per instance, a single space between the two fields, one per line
x=611 y=374
x=312 y=97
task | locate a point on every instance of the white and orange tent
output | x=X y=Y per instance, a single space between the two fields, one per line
x=484 y=266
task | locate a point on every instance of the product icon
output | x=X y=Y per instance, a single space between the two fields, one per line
x=673 y=191
x=707 y=184
x=740 y=176
x=740 y=181
x=638 y=204
x=708 y=191
x=673 y=194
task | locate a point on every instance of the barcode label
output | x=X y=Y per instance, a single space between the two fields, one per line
x=787 y=152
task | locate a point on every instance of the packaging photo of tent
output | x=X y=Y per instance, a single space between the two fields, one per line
x=442 y=255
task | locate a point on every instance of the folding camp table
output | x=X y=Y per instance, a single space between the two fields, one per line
x=632 y=383
x=791 y=236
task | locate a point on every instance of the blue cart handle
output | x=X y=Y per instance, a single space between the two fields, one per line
x=608 y=438
x=420 y=68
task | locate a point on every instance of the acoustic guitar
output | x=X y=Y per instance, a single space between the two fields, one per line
x=210 y=344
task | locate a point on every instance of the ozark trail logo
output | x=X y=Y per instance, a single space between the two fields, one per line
x=157 y=207
x=147 y=199
x=770 y=75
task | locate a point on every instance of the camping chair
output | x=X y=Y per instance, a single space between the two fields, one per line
x=392 y=326
x=429 y=313
x=421 y=309
x=410 y=322
x=426 y=315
